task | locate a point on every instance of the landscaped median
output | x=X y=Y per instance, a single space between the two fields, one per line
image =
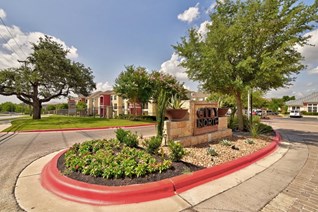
x=77 y=191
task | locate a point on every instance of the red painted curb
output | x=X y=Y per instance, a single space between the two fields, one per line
x=54 y=181
x=95 y=128
x=73 y=190
x=188 y=181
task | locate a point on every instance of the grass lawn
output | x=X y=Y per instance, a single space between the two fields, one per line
x=65 y=122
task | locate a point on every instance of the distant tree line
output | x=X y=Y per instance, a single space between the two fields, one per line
x=9 y=107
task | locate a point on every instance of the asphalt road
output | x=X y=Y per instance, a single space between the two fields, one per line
x=20 y=149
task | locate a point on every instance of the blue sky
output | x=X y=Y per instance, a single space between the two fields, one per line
x=107 y=35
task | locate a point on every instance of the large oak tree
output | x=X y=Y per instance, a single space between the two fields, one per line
x=46 y=74
x=249 y=44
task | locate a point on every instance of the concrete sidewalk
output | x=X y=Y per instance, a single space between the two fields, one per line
x=291 y=184
x=4 y=126
x=286 y=180
x=254 y=193
x=31 y=196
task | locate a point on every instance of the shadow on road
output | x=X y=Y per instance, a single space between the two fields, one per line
x=299 y=136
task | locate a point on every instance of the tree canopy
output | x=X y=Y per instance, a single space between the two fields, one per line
x=249 y=44
x=139 y=86
x=46 y=74
x=134 y=84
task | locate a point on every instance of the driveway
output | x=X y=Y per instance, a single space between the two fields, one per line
x=290 y=184
x=17 y=150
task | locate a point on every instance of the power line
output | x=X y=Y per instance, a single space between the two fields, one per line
x=3 y=38
x=12 y=36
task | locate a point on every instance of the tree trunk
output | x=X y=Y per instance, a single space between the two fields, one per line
x=238 y=99
x=37 y=106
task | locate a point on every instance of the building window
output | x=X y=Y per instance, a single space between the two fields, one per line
x=115 y=106
x=145 y=106
x=115 y=97
x=312 y=108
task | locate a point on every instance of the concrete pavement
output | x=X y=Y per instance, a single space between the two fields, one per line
x=291 y=184
x=254 y=193
x=296 y=192
x=286 y=180
x=31 y=195
x=18 y=150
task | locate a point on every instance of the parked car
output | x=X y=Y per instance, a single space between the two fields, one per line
x=259 y=112
x=295 y=114
x=271 y=113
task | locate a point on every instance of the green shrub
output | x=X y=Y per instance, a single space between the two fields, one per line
x=233 y=122
x=309 y=113
x=131 y=139
x=177 y=151
x=211 y=152
x=121 y=134
x=259 y=128
x=112 y=160
x=225 y=142
x=127 y=137
x=153 y=144
x=249 y=141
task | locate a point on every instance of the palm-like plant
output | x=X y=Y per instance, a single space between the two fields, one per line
x=175 y=102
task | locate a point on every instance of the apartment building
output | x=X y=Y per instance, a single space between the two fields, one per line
x=307 y=103
x=108 y=104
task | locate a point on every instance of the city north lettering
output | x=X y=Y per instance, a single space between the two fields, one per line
x=207 y=117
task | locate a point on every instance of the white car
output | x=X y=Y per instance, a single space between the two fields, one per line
x=295 y=114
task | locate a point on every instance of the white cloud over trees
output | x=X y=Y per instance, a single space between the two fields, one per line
x=190 y=14
x=17 y=45
x=172 y=66
x=103 y=86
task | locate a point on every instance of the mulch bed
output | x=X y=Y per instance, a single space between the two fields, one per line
x=196 y=159
x=178 y=168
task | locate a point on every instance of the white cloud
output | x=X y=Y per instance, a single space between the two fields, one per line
x=16 y=45
x=173 y=67
x=203 y=29
x=2 y=14
x=190 y=14
x=310 y=52
x=103 y=86
x=298 y=94
x=313 y=70
x=309 y=84
x=211 y=8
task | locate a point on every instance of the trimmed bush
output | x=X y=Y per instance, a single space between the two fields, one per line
x=131 y=139
x=121 y=134
x=177 y=151
x=112 y=160
x=153 y=144
x=309 y=113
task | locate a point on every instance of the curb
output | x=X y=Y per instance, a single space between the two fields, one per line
x=94 y=128
x=67 y=188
